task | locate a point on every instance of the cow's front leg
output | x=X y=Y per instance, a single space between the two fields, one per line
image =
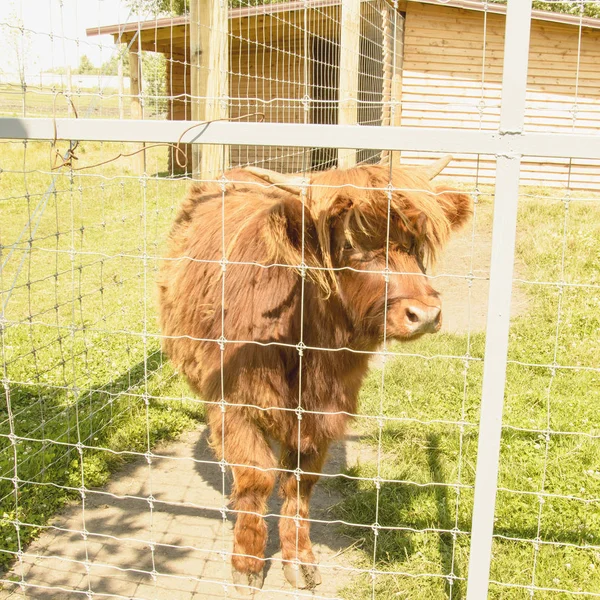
x=243 y=445
x=299 y=562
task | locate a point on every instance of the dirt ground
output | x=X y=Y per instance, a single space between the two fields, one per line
x=186 y=525
x=459 y=312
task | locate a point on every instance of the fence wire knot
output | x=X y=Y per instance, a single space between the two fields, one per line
x=222 y=341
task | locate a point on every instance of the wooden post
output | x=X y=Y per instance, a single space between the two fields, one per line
x=135 y=91
x=398 y=62
x=120 y=84
x=387 y=73
x=70 y=90
x=349 y=63
x=209 y=49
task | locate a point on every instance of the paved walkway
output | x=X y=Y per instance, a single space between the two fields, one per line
x=187 y=529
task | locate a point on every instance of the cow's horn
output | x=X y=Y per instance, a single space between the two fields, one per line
x=437 y=167
x=289 y=183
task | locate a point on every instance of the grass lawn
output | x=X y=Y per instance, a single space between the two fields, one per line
x=89 y=103
x=82 y=365
x=564 y=466
x=78 y=366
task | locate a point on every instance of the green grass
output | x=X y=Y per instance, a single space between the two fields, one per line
x=89 y=103
x=78 y=367
x=421 y=451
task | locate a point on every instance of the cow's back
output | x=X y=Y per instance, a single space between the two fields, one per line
x=260 y=301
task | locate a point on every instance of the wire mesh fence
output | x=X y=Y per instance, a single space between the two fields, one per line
x=111 y=484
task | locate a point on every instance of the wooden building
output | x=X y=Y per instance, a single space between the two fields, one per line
x=422 y=64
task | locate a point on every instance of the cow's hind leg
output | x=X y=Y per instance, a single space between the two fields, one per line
x=299 y=565
x=241 y=443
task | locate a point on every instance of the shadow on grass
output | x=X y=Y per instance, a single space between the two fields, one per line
x=406 y=514
x=445 y=540
x=171 y=175
x=48 y=422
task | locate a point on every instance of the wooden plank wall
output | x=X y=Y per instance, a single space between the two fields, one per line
x=450 y=81
x=265 y=77
x=268 y=77
x=178 y=87
x=268 y=74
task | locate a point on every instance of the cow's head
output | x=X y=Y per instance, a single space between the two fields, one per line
x=369 y=233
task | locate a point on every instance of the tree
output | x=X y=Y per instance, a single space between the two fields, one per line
x=180 y=7
x=110 y=67
x=86 y=66
x=154 y=73
x=156 y=7
x=18 y=44
x=571 y=7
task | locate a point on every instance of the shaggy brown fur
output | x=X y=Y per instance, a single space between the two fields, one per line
x=258 y=305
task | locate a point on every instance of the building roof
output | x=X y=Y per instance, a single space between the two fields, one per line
x=297 y=5
x=500 y=9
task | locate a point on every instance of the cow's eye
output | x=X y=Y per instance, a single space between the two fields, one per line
x=348 y=246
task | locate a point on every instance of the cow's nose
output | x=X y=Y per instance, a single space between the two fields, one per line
x=423 y=317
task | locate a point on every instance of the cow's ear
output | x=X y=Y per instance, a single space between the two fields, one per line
x=291 y=239
x=457 y=206
x=283 y=232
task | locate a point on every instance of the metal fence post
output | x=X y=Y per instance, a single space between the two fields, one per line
x=512 y=117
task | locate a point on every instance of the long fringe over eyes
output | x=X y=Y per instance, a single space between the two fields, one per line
x=368 y=199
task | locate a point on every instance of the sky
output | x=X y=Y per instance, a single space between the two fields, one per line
x=57 y=36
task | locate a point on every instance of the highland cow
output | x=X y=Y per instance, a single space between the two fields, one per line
x=314 y=277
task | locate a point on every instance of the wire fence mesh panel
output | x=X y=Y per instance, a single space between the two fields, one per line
x=87 y=389
x=186 y=327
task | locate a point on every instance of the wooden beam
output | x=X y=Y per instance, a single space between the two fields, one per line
x=135 y=91
x=209 y=77
x=349 y=63
x=387 y=72
x=121 y=87
x=69 y=90
x=178 y=109
x=398 y=56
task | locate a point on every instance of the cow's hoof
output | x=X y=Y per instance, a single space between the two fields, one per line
x=247 y=584
x=303 y=577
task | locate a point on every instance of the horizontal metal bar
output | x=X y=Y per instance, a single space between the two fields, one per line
x=424 y=139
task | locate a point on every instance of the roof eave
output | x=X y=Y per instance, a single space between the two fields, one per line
x=268 y=9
